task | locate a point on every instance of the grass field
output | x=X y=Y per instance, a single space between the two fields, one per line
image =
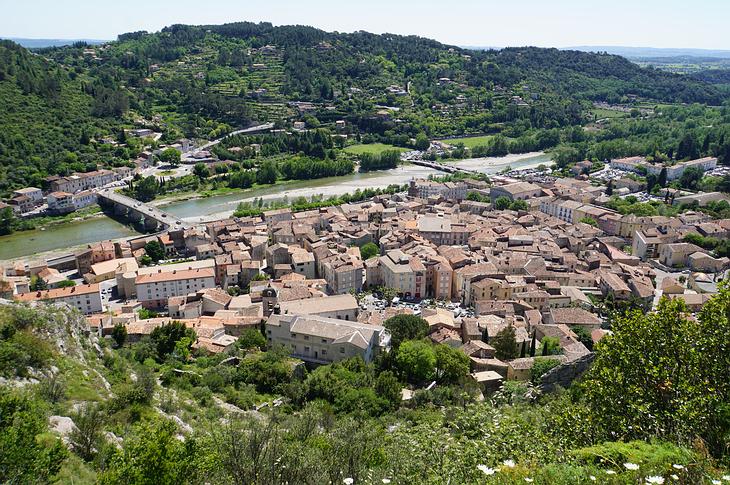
x=469 y=141
x=372 y=148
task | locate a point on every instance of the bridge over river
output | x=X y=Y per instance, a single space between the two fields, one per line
x=152 y=218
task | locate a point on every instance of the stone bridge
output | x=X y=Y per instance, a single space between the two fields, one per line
x=152 y=218
x=443 y=167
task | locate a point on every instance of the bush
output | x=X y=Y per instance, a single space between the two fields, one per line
x=540 y=367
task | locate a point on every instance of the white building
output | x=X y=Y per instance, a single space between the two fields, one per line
x=154 y=289
x=85 y=298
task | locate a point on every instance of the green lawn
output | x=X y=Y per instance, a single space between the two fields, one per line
x=469 y=141
x=372 y=148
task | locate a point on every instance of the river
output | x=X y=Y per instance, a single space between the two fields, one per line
x=68 y=235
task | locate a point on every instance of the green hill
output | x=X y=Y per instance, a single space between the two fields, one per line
x=202 y=81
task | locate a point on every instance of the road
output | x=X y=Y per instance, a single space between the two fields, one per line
x=253 y=129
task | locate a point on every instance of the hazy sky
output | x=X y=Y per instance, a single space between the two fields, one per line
x=559 y=23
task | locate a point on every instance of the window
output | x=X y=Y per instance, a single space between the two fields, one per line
x=306 y=337
x=306 y=349
x=342 y=350
x=324 y=352
x=293 y=335
x=324 y=340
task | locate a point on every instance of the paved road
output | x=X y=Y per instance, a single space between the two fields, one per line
x=253 y=129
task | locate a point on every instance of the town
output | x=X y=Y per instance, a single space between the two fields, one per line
x=538 y=258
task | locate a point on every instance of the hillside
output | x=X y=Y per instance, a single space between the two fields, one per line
x=79 y=409
x=202 y=81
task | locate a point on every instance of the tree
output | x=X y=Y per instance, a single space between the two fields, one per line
x=201 y=171
x=485 y=335
x=66 y=284
x=662 y=180
x=388 y=387
x=155 y=251
x=7 y=219
x=451 y=364
x=146 y=189
x=665 y=374
x=388 y=293
x=540 y=367
x=251 y=338
x=532 y=345
x=422 y=142
x=502 y=203
x=119 y=334
x=167 y=336
x=651 y=181
x=170 y=156
x=505 y=344
x=406 y=327
x=691 y=177
x=267 y=173
x=38 y=284
x=609 y=188
x=549 y=346
x=416 y=360
x=688 y=147
x=25 y=457
x=584 y=336
x=368 y=250
x=519 y=205
x=153 y=454
x=589 y=220
x=87 y=434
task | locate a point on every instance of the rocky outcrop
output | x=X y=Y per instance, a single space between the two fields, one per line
x=563 y=375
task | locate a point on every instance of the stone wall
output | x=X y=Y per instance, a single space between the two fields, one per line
x=564 y=374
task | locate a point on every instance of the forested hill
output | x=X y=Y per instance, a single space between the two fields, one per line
x=59 y=103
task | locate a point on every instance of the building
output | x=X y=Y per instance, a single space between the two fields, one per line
x=340 y=307
x=515 y=191
x=85 y=298
x=405 y=273
x=33 y=193
x=573 y=316
x=154 y=289
x=322 y=340
x=65 y=202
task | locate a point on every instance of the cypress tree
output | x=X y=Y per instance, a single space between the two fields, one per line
x=532 y=345
x=523 y=350
x=544 y=349
x=485 y=335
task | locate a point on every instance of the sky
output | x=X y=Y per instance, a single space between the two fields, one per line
x=494 y=23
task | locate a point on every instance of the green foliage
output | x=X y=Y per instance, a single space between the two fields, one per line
x=451 y=364
x=589 y=220
x=170 y=156
x=502 y=203
x=201 y=171
x=24 y=456
x=416 y=360
x=382 y=161
x=505 y=344
x=20 y=349
x=368 y=250
x=7 y=220
x=584 y=336
x=153 y=455
x=519 y=205
x=155 y=251
x=251 y=338
x=662 y=374
x=166 y=338
x=119 y=334
x=549 y=346
x=406 y=327
x=540 y=367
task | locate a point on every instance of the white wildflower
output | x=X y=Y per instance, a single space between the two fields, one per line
x=486 y=470
x=528 y=480
x=726 y=478
x=386 y=480
x=678 y=467
x=348 y=481
x=610 y=472
x=631 y=466
x=674 y=476
x=655 y=479
x=509 y=463
x=593 y=479
x=716 y=482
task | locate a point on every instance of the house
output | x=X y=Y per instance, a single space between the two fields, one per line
x=488 y=380
x=35 y=195
x=154 y=289
x=515 y=191
x=322 y=340
x=676 y=255
x=85 y=298
x=340 y=307
x=573 y=316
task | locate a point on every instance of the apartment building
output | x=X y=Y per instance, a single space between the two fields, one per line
x=340 y=307
x=85 y=298
x=515 y=191
x=154 y=289
x=322 y=340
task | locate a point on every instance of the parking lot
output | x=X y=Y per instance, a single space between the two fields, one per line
x=372 y=302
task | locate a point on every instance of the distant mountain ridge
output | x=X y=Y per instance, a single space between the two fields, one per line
x=40 y=43
x=639 y=52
